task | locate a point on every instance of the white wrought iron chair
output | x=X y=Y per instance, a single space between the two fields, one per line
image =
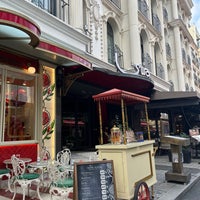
x=64 y=157
x=6 y=172
x=61 y=183
x=22 y=178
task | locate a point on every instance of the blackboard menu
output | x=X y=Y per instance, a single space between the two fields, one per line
x=94 y=181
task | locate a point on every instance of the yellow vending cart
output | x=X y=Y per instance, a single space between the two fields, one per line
x=134 y=162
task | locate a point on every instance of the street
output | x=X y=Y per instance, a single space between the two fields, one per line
x=193 y=193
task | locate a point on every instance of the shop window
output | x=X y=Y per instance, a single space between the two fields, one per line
x=19 y=107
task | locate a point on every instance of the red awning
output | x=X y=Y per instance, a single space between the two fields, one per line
x=115 y=96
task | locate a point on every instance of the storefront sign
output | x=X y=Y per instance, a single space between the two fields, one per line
x=136 y=69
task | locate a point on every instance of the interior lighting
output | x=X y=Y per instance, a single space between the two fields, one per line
x=31 y=70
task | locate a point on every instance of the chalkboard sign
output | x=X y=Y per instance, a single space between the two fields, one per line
x=94 y=181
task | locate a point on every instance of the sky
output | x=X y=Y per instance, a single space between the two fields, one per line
x=196 y=14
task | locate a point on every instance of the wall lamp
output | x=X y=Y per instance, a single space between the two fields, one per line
x=31 y=70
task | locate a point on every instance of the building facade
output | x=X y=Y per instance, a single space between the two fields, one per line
x=81 y=48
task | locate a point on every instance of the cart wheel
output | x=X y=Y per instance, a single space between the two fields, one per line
x=141 y=192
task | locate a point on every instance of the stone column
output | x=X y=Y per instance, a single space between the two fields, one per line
x=76 y=19
x=178 y=50
x=135 y=52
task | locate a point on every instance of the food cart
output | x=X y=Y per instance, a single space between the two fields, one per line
x=133 y=162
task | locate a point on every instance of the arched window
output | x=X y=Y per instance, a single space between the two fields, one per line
x=110 y=44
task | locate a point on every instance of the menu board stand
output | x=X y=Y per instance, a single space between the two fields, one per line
x=94 y=180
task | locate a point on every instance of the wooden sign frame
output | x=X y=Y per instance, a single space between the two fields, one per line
x=94 y=180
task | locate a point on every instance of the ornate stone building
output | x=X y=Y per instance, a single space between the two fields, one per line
x=83 y=47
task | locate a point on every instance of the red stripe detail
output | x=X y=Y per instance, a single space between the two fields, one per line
x=19 y=21
x=63 y=52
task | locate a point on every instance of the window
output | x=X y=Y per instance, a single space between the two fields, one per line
x=44 y=4
x=18 y=99
x=110 y=43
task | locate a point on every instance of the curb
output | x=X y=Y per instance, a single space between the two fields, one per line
x=187 y=188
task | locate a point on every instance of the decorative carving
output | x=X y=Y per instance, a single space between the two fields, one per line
x=142 y=26
x=95 y=8
x=154 y=40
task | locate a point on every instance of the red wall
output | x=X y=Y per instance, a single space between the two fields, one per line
x=25 y=150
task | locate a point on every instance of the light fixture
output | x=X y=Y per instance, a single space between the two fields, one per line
x=31 y=70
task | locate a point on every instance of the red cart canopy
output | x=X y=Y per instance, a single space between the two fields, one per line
x=115 y=96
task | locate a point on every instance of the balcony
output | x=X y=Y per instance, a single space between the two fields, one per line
x=143 y=8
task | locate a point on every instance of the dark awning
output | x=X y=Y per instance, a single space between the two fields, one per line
x=107 y=79
x=174 y=99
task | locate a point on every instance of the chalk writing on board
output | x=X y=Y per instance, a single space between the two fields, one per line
x=95 y=181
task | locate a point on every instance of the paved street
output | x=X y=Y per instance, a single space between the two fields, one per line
x=193 y=193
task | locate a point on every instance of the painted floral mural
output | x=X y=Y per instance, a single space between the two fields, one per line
x=48 y=93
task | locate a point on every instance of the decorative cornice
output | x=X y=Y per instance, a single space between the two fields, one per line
x=182 y=26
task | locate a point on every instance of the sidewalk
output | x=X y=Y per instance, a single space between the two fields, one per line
x=164 y=190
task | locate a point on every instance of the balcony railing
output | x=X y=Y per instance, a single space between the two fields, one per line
x=156 y=23
x=58 y=8
x=143 y=8
x=117 y=3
